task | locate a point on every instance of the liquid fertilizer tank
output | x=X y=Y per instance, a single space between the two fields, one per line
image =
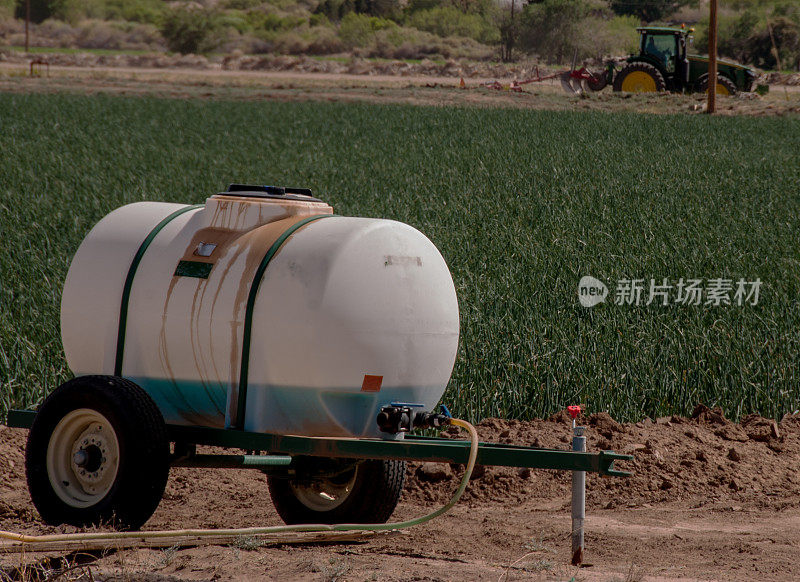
x=263 y=311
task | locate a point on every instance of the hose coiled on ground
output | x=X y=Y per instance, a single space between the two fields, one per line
x=30 y=542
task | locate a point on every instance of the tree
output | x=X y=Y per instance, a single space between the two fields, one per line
x=779 y=47
x=766 y=39
x=554 y=28
x=508 y=24
x=41 y=10
x=191 y=30
x=338 y=9
x=647 y=10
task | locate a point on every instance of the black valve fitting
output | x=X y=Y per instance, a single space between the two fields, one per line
x=395 y=419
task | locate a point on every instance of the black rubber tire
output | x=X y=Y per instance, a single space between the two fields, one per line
x=372 y=499
x=143 y=466
x=702 y=84
x=658 y=78
x=598 y=82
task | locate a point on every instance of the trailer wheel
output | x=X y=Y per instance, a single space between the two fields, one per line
x=598 y=81
x=639 y=77
x=335 y=491
x=97 y=453
x=725 y=86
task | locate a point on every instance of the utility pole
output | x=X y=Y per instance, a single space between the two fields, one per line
x=712 y=58
x=27 y=22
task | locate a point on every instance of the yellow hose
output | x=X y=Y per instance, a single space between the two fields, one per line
x=139 y=535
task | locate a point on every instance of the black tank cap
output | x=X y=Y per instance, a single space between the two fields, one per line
x=258 y=191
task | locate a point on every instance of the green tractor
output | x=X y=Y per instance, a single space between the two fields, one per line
x=663 y=65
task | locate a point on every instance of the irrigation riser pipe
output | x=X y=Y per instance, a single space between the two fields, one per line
x=578 y=498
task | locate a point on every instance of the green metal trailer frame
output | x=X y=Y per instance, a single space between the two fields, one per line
x=281 y=448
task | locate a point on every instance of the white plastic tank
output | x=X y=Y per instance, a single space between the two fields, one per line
x=262 y=310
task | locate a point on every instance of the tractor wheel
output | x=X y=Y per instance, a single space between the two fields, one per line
x=725 y=86
x=97 y=453
x=336 y=491
x=639 y=78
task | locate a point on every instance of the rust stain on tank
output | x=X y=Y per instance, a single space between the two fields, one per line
x=196 y=345
x=177 y=399
x=223 y=239
x=236 y=238
x=254 y=246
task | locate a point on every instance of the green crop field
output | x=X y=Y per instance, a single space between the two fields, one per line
x=522 y=204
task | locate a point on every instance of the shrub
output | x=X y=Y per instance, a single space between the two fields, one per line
x=98 y=34
x=648 y=11
x=785 y=53
x=358 y=30
x=265 y=19
x=75 y=11
x=54 y=32
x=614 y=36
x=338 y=9
x=410 y=43
x=322 y=40
x=7 y=9
x=189 y=30
x=319 y=20
x=236 y=20
x=558 y=30
x=144 y=11
x=290 y=43
x=317 y=40
x=418 y=5
x=447 y=21
x=748 y=37
x=241 y=4
x=245 y=44
x=333 y=9
x=554 y=29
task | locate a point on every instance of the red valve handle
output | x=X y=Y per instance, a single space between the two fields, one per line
x=574 y=411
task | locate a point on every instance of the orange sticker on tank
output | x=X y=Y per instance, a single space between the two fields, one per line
x=371 y=383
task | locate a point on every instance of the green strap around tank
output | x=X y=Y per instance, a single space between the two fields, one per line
x=126 y=289
x=248 y=315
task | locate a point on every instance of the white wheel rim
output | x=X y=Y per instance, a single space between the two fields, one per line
x=324 y=494
x=82 y=458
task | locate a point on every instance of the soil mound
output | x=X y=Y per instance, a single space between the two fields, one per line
x=702 y=459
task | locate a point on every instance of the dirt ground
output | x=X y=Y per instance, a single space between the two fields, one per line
x=709 y=500
x=437 y=86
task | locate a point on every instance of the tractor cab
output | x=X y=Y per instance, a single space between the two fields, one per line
x=665 y=48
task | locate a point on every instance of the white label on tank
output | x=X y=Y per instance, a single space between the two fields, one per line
x=205 y=249
x=404 y=261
